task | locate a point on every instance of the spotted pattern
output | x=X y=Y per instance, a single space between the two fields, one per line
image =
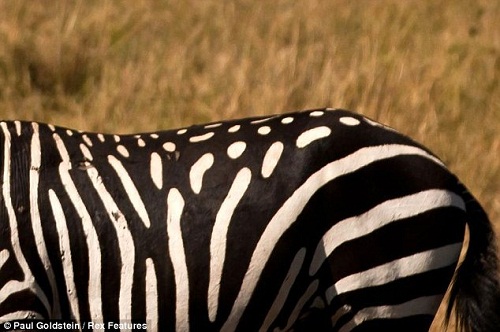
x=184 y=227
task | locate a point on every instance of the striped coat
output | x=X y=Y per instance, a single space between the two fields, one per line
x=318 y=220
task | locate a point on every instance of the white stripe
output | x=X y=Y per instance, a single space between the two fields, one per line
x=400 y=268
x=343 y=310
x=4 y=256
x=201 y=138
x=175 y=205
x=263 y=120
x=214 y=125
x=300 y=305
x=379 y=216
x=125 y=244
x=271 y=159
x=151 y=296
x=101 y=137
x=311 y=135
x=94 y=250
x=427 y=305
x=29 y=281
x=219 y=237
x=156 y=170
x=123 y=150
x=130 y=189
x=198 y=170
x=282 y=296
x=18 y=127
x=36 y=223
x=20 y=315
x=289 y=211
x=65 y=251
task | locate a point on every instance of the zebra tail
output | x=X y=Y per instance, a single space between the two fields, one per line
x=475 y=290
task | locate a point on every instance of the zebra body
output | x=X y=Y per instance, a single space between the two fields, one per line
x=318 y=220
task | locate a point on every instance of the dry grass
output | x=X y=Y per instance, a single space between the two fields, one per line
x=428 y=68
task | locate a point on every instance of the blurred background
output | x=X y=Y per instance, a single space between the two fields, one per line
x=430 y=69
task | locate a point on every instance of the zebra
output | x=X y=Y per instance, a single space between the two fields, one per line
x=317 y=220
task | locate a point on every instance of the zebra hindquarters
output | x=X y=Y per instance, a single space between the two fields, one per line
x=390 y=251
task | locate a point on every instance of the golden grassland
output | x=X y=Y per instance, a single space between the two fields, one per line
x=431 y=69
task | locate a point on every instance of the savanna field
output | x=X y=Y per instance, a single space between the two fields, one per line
x=430 y=69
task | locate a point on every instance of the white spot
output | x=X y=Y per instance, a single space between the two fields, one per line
x=271 y=159
x=198 y=170
x=69 y=132
x=234 y=128
x=236 y=149
x=201 y=138
x=312 y=135
x=264 y=130
x=123 y=151
x=316 y=113
x=137 y=136
x=169 y=146
x=51 y=127
x=287 y=120
x=154 y=136
x=101 y=137
x=86 y=152
x=181 y=131
x=213 y=125
x=156 y=170
x=141 y=142
x=349 y=121
x=87 y=140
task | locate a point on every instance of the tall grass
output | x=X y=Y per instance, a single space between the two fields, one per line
x=431 y=69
